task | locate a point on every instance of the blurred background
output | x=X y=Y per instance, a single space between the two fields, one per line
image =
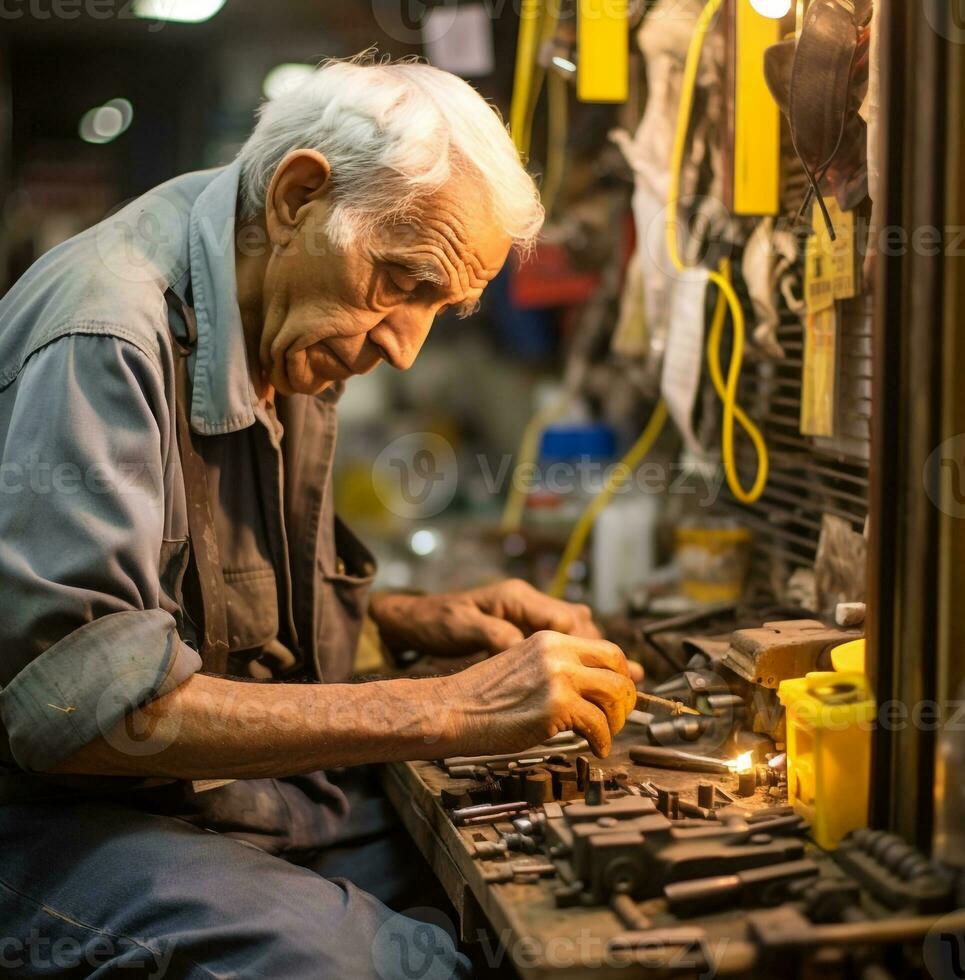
x=488 y=458
x=439 y=468
x=102 y=99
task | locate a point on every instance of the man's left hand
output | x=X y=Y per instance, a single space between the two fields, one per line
x=490 y=618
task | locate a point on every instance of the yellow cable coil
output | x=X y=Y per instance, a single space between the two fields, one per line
x=726 y=391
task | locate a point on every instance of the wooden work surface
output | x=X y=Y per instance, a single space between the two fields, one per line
x=521 y=921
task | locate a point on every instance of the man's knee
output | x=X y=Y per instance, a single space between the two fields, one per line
x=365 y=939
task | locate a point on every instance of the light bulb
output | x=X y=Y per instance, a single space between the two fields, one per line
x=775 y=9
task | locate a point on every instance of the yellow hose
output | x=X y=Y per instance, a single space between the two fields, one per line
x=525 y=457
x=557 y=96
x=537 y=23
x=727 y=299
x=527 y=43
x=621 y=473
x=533 y=28
x=726 y=391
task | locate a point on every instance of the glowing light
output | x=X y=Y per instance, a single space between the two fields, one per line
x=743 y=763
x=424 y=542
x=106 y=122
x=775 y=9
x=564 y=64
x=285 y=78
x=179 y=11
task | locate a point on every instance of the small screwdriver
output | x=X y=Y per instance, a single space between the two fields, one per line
x=647 y=701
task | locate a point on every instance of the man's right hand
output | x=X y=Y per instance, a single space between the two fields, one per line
x=216 y=727
x=539 y=687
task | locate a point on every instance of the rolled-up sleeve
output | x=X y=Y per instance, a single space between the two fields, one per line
x=83 y=637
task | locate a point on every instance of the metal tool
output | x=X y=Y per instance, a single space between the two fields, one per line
x=519 y=869
x=536 y=754
x=505 y=810
x=754 y=886
x=665 y=758
x=646 y=702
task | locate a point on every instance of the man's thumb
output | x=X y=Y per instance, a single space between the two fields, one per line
x=495 y=634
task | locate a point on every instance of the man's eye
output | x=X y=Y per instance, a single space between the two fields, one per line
x=401 y=280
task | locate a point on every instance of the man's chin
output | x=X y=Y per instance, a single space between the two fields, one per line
x=287 y=382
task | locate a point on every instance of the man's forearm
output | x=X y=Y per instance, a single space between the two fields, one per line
x=213 y=727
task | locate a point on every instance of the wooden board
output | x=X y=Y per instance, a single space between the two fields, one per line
x=521 y=922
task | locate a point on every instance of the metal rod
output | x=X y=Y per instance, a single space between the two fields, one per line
x=645 y=701
x=655 y=755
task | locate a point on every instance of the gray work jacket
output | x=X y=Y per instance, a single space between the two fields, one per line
x=93 y=526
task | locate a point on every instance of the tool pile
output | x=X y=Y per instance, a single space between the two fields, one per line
x=604 y=836
x=608 y=834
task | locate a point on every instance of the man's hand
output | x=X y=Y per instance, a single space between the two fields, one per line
x=539 y=687
x=212 y=727
x=491 y=618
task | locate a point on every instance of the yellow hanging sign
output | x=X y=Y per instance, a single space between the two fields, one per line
x=602 y=51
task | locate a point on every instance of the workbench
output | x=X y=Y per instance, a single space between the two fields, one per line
x=521 y=922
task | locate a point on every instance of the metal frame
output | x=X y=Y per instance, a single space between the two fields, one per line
x=909 y=396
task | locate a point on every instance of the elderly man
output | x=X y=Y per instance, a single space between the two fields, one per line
x=167 y=537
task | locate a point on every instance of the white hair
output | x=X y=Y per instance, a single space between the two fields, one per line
x=393 y=133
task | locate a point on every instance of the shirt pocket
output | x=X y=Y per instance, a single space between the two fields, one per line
x=251 y=597
x=347 y=568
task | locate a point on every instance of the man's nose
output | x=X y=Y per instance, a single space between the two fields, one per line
x=401 y=335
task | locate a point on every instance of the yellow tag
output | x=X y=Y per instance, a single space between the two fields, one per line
x=818 y=278
x=830 y=269
x=842 y=249
x=818 y=380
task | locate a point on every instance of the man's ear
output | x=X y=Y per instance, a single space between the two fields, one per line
x=299 y=180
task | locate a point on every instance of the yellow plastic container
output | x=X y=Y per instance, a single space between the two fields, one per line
x=849 y=657
x=830 y=717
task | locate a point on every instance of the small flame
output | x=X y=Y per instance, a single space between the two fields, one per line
x=742 y=763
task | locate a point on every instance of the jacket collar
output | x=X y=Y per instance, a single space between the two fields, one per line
x=222 y=398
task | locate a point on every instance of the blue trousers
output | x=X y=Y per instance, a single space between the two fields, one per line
x=93 y=889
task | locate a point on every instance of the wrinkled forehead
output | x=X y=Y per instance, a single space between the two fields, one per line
x=455 y=226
